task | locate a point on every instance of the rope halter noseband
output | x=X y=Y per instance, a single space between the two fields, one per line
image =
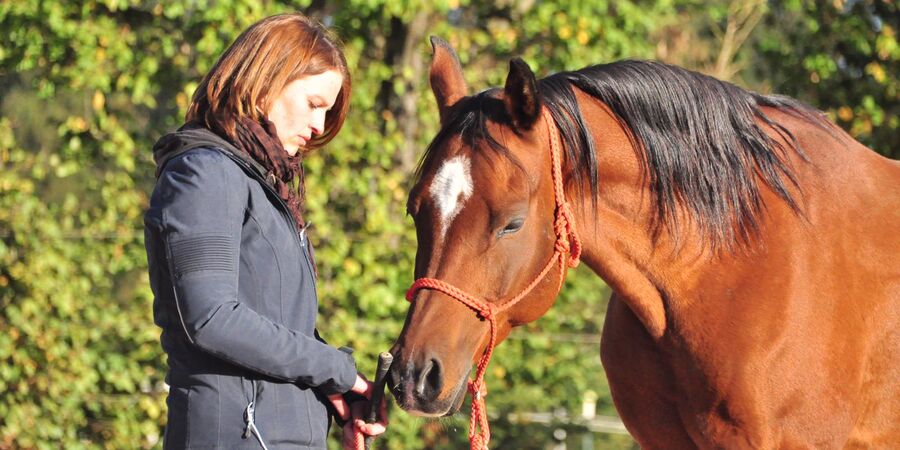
x=567 y=251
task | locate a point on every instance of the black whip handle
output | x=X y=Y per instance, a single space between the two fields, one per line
x=384 y=364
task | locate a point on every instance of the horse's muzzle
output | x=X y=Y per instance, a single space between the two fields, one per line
x=419 y=388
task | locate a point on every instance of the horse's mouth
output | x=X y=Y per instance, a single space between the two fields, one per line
x=417 y=407
x=457 y=403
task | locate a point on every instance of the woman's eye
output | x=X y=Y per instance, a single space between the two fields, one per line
x=512 y=226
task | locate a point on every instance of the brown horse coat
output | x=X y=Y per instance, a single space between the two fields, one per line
x=793 y=342
x=783 y=336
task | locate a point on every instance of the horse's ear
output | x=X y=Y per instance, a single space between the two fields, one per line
x=521 y=95
x=446 y=76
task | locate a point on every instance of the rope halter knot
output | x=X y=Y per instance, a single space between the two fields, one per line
x=487 y=313
x=477 y=389
x=571 y=245
x=566 y=253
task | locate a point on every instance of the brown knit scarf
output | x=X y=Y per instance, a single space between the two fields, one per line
x=260 y=141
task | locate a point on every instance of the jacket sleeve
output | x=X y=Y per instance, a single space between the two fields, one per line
x=203 y=197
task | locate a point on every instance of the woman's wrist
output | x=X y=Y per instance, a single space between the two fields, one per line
x=361 y=385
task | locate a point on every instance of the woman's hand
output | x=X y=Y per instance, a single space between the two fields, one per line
x=356 y=428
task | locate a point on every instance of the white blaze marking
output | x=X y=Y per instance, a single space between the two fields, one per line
x=451 y=187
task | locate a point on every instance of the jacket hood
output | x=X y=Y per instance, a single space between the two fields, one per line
x=191 y=136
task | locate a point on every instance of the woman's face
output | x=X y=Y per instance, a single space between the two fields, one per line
x=299 y=111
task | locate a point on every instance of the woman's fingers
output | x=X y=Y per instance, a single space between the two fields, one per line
x=370 y=429
x=340 y=406
x=352 y=438
x=362 y=386
x=355 y=430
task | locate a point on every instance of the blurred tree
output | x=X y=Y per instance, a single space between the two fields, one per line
x=841 y=56
x=86 y=88
x=709 y=36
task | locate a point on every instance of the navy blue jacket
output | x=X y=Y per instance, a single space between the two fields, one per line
x=236 y=300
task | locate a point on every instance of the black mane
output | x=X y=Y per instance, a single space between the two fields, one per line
x=700 y=142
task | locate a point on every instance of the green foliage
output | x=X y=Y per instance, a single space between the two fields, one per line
x=842 y=57
x=88 y=86
x=81 y=363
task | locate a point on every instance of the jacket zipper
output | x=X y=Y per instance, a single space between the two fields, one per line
x=285 y=212
x=250 y=412
x=257 y=177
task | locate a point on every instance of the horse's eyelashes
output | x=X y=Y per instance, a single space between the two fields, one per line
x=513 y=226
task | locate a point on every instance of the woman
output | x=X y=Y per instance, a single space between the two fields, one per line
x=230 y=264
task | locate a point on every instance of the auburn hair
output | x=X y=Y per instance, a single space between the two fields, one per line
x=259 y=64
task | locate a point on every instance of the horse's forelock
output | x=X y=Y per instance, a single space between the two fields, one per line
x=468 y=122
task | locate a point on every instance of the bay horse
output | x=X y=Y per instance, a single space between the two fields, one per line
x=751 y=246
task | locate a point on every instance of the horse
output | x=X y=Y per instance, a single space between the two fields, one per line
x=751 y=247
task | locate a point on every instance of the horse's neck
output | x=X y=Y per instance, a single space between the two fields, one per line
x=614 y=232
x=648 y=272
x=686 y=283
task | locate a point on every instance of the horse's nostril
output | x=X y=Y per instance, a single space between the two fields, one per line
x=435 y=376
x=429 y=381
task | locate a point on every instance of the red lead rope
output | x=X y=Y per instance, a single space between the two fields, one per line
x=567 y=252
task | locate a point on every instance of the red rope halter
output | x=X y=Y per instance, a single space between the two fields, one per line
x=567 y=251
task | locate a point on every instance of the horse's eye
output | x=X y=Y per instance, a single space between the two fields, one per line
x=513 y=226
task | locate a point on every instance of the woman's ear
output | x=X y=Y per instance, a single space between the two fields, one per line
x=446 y=76
x=523 y=104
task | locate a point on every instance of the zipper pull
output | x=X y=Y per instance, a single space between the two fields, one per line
x=249 y=414
x=303 y=232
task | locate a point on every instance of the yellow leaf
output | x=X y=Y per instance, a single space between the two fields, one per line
x=98 y=101
x=77 y=124
x=877 y=71
x=582 y=37
x=845 y=113
x=510 y=35
x=181 y=99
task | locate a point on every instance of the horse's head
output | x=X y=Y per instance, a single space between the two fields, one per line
x=484 y=212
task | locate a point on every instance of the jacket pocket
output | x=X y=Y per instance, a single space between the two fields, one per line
x=317 y=417
x=291 y=416
x=176 y=434
x=203 y=419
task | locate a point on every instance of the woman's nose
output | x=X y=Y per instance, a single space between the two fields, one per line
x=318 y=123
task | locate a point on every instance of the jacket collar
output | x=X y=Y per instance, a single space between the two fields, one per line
x=191 y=136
